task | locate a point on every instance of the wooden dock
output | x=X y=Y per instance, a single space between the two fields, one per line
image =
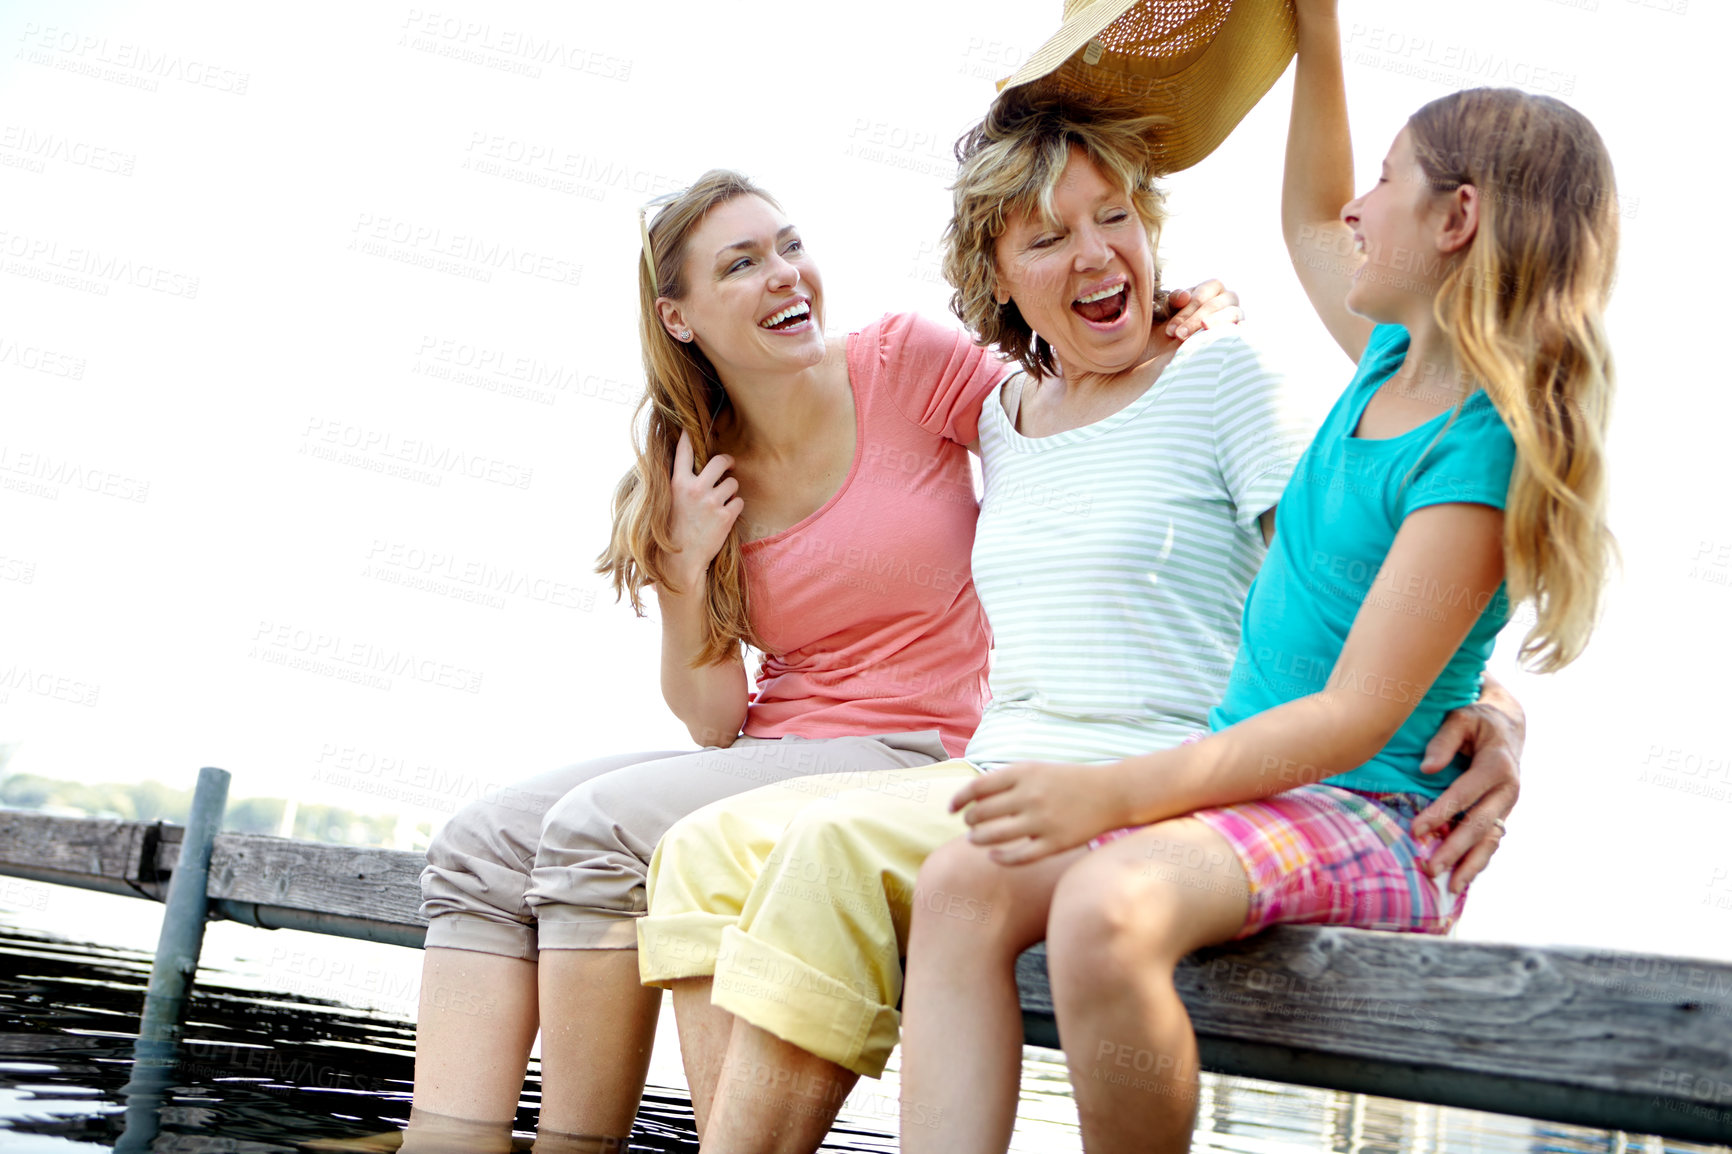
x=1614 y=1041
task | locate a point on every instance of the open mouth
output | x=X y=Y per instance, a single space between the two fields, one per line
x=1104 y=306
x=791 y=317
x=1361 y=255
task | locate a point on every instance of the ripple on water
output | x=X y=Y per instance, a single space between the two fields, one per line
x=257 y=1070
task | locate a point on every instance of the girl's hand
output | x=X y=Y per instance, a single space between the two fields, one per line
x=1487 y=789
x=1029 y=810
x=706 y=505
x=1208 y=306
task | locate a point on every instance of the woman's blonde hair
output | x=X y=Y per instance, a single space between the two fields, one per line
x=1011 y=163
x=682 y=394
x=1523 y=306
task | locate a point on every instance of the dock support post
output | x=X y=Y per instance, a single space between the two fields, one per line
x=157 y=1051
x=182 y=937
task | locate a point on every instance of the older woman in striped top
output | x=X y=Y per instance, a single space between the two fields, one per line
x=1130 y=490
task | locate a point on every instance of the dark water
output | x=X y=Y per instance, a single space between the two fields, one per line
x=260 y=1069
x=254 y=1073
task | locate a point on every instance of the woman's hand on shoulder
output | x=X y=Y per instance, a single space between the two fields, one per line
x=706 y=505
x=1208 y=306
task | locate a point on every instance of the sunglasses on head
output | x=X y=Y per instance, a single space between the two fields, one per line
x=649 y=259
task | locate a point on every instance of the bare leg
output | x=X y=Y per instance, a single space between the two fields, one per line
x=1121 y=920
x=773 y=1097
x=704 y=1033
x=962 y=1022
x=595 y=1047
x=473 y=1033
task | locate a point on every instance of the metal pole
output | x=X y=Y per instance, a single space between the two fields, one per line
x=182 y=937
x=157 y=1051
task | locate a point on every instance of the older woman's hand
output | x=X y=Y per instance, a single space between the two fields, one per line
x=1492 y=730
x=1208 y=306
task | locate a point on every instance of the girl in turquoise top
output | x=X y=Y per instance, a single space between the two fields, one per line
x=1461 y=471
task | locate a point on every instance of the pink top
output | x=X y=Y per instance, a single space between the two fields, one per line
x=867 y=607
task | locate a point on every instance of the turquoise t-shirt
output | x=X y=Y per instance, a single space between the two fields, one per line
x=1336 y=522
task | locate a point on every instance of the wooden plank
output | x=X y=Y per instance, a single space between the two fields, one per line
x=82 y=851
x=1619 y=1041
x=1611 y=1040
x=90 y=846
x=376 y=885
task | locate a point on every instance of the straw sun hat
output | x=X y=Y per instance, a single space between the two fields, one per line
x=1203 y=64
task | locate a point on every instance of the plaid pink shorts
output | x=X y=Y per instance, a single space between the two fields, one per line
x=1324 y=855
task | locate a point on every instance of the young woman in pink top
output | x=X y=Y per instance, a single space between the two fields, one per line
x=809 y=498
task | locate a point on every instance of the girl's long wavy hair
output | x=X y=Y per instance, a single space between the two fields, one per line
x=1523 y=306
x=682 y=394
x=1011 y=163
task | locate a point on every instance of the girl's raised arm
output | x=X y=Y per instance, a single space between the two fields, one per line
x=1319 y=177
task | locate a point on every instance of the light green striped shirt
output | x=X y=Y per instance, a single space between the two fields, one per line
x=1113 y=559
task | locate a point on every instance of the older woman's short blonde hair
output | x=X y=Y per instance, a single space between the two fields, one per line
x=1010 y=163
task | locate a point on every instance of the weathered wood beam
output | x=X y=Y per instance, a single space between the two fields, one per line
x=94 y=853
x=375 y=891
x=364 y=884
x=1611 y=1040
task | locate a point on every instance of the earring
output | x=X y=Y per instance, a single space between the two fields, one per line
x=685 y=334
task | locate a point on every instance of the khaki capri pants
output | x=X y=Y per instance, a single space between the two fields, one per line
x=797 y=898
x=560 y=861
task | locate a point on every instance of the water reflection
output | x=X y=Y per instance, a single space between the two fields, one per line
x=254 y=1073
x=262 y=1071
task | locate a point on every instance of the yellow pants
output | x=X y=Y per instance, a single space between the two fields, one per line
x=797 y=897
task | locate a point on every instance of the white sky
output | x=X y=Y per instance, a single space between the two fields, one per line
x=169 y=535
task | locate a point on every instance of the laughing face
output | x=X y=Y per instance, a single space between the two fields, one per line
x=755 y=302
x=1084 y=280
x=1396 y=229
